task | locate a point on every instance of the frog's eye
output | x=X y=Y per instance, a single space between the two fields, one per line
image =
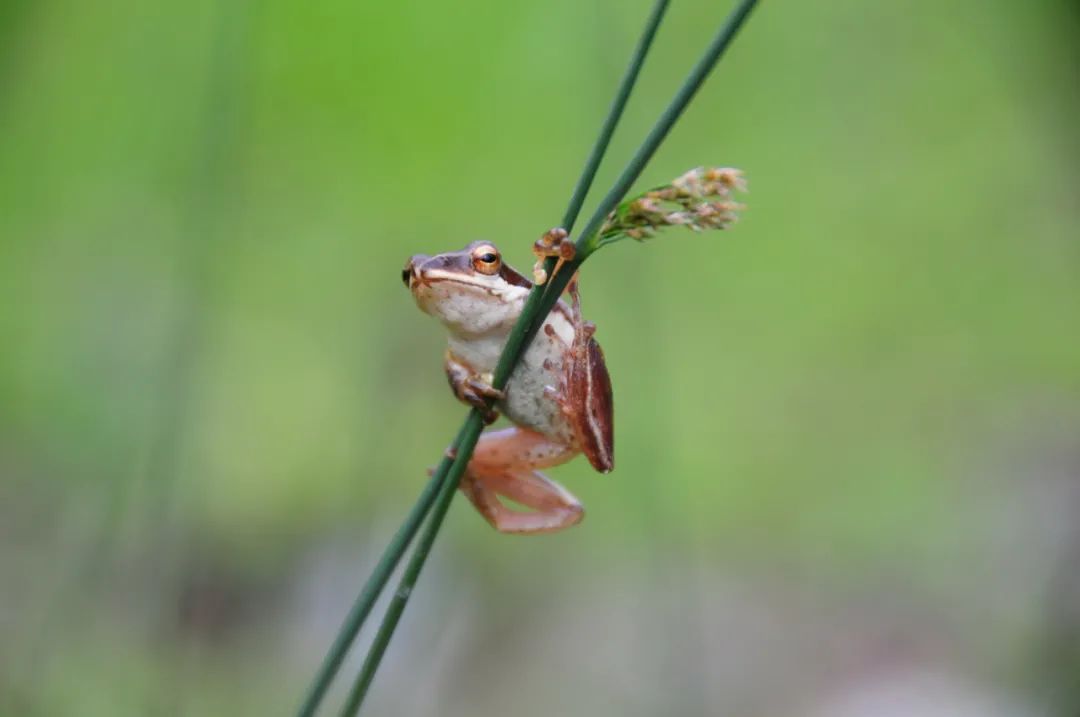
x=486 y=260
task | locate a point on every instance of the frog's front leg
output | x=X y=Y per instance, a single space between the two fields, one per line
x=504 y=464
x=472 y=388
x=554 y=243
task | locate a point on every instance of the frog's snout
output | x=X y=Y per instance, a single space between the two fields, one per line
x=409 y=273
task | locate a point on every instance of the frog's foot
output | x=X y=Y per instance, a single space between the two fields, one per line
x=472 y=389
x=476 y=393
x=504 y=464
x=552 y=507
x=555 y=242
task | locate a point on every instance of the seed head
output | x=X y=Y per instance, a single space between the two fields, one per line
x=699 y=199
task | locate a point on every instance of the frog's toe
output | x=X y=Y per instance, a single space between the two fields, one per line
x=485 y=389
x=479 y=400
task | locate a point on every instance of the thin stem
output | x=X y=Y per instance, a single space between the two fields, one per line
x=515 y=348
x=586 y=243
x=667 y=120
x=412 y=571
x=588 y=173
x=365 y=601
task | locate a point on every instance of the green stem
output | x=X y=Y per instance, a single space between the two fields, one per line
x=473 y=425
x=513 y=347
x=667 y=120
x=369 y=594
x=588 y=173
x=588 y=242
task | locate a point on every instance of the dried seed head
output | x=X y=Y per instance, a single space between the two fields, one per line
x=699 y=200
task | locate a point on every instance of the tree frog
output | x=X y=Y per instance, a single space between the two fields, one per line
x=558 y=397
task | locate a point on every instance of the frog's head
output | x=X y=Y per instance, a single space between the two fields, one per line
x=471 y=291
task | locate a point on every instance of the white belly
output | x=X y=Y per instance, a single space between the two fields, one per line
x=528 y=403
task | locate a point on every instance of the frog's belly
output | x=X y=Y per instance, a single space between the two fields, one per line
x=530 y=400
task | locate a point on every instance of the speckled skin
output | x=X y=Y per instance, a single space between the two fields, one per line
x=527 y=403
x=548 y=397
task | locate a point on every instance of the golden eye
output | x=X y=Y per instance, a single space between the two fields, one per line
x=486 y=260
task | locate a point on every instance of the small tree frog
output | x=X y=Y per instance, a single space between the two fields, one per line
x=558 y=396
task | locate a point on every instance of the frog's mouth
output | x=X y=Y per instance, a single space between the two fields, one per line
x=423 y=271
x=429 y=277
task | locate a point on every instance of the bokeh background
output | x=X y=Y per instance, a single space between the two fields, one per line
x=847 y=478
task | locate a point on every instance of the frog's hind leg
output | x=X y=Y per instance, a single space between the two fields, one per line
x=553 y=508
x=505 y=464
x=585 y=396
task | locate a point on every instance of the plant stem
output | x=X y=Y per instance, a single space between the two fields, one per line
x=474 y=424
x=514 y=348
x=588 y=173
x=667 y=120
x=374 y=586
x=587 y=242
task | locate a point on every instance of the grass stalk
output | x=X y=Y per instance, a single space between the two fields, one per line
x=374 y=586
x=626 y=86
x=588 y=241
x=475 y=424
x=666 y=121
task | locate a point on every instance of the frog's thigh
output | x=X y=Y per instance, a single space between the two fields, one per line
x=504 y=464
x=512 y=450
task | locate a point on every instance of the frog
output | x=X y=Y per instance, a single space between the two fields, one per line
x=558 y=398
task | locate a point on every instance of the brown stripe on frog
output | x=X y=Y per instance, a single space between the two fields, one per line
x=510 y=276
x=596 y=427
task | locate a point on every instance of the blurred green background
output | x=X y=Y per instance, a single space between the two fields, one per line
x=847 y=475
